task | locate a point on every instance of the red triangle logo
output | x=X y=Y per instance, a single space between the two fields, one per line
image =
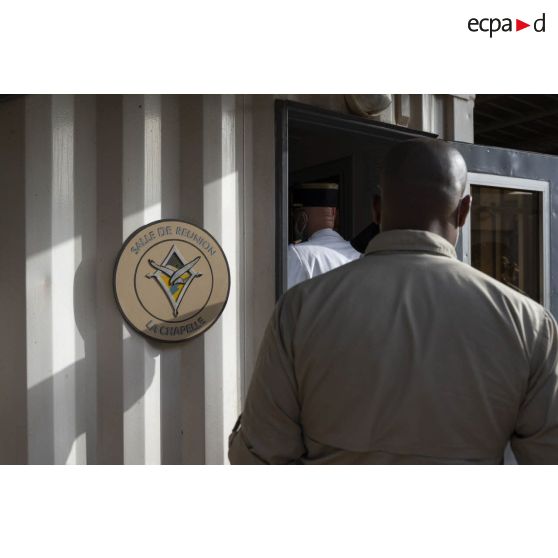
x=519 y=25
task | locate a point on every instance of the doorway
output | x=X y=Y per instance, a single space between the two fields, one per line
x=515 y=206
x=317 y=145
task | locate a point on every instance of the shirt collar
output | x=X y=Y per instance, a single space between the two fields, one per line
x=322 y=233
x=410 y=241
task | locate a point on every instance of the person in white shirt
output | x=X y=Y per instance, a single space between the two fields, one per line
x=325 y=248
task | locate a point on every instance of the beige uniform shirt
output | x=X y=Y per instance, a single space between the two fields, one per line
x=404 y=356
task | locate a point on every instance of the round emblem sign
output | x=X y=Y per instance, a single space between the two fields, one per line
x=171 y=280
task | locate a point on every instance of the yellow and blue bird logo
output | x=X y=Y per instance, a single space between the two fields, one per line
x=174 y=275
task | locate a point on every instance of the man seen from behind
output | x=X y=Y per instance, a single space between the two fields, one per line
x=406 y=355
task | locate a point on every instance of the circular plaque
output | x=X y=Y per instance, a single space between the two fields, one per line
x=171 y=280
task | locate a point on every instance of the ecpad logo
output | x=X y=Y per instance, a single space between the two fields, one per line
x=492 y=25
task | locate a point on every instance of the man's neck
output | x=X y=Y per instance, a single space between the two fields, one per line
x=314 y=230
x=443 y=230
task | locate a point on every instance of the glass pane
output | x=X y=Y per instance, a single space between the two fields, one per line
x=505 y=237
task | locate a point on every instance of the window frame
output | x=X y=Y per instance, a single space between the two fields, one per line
x=515 y=183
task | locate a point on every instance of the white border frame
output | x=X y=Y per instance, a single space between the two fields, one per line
x=499 y=181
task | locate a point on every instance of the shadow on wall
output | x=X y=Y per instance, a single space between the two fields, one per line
x=56 y=448
x=58 y=427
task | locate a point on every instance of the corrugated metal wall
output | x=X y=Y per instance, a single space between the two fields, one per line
x=78 y=175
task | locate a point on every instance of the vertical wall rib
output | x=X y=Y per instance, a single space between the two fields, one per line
x=259 y=215
x=84 y=281
x=221 y=216
x=171 y=355
x=142 y=203
x=110 y=408
x=38 y=221
x=153 y=211
x=13 y=384
x=135 y=352
x=67 y=345
x=191 y=210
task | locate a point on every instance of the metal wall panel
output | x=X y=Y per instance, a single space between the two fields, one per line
x=80 y=173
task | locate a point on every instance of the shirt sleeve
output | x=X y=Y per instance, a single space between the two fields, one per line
x=270 y=431
x=535 y=440
x=296 y=270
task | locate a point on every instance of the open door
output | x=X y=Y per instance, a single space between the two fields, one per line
x=513 y=219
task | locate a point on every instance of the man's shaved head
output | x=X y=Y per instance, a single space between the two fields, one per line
x=422 y=184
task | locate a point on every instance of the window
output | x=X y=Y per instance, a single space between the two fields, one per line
x=507 y=236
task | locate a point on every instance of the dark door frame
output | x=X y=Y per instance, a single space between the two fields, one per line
x=287 y=112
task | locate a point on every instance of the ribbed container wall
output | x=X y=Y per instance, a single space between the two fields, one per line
x=78 y=175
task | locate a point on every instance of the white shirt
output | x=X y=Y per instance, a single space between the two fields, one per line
x=323 y=251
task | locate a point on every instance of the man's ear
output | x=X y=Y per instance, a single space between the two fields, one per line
x=463 y=210
x=377 y=207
